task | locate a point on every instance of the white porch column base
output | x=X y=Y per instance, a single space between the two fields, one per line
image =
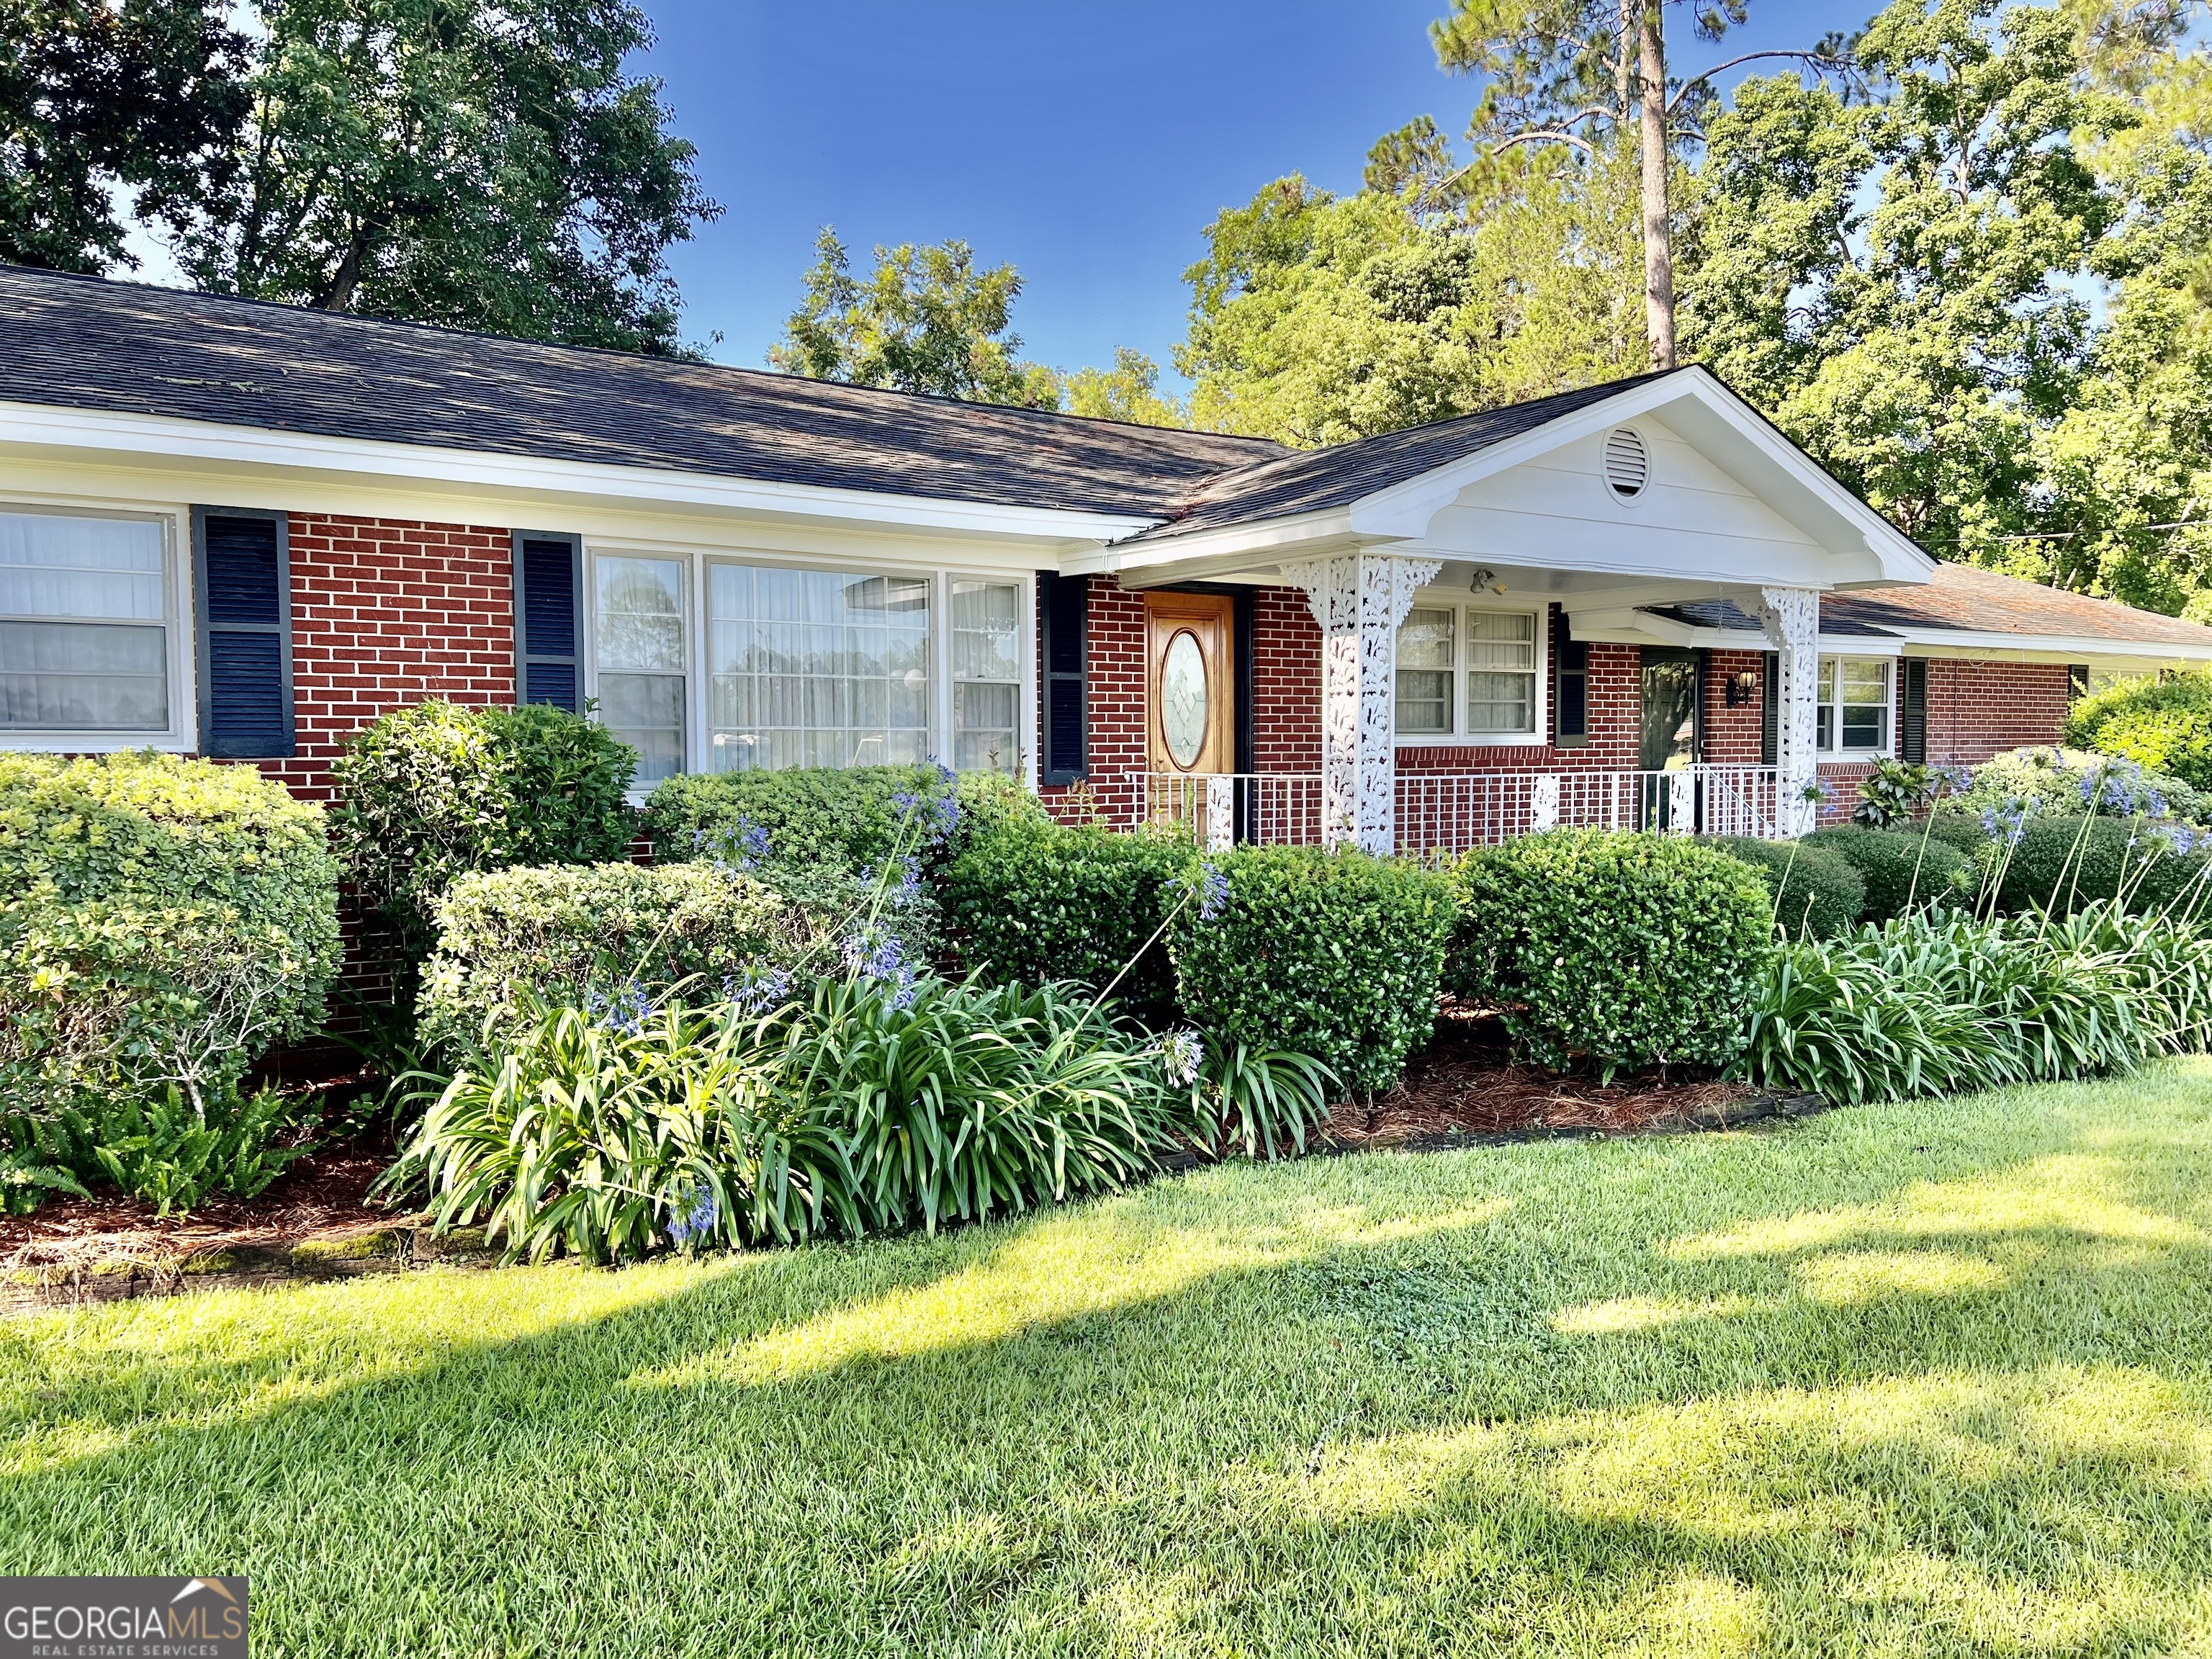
x=1791 y=616
x=1359 y=599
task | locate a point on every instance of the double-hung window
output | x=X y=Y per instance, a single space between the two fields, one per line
x=1467 y=672
x=1854 y=702
x=84 y=624
x=640 y=617
x=987 y=675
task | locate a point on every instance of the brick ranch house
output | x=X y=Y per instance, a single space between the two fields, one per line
x=244 y=531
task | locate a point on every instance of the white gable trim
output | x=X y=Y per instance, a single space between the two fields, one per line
x=1730 y=430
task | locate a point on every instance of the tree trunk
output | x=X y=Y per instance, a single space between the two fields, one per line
x=1658 y=232
x=338 y=295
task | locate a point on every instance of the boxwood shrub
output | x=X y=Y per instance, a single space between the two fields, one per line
x=1815 y=892
x=1031 y=901
x=627 y=929
x=849 y=817
x=438 y=790
x=1336 y=955
x=1616 y=949
x=1902 y=868
x=163 y=922
x=2065 y=863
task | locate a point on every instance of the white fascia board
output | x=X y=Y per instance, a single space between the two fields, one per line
x=1764 y=463
x=144 y=440
x=2046 y=648
x=1237 y=546
x=1631 y=626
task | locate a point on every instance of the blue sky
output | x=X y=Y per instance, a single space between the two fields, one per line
x=1088 y=144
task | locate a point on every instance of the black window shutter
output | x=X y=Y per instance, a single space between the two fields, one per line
x=242 y=593
x=1912 y=733
x=1063 y=607
x=549 y=570
x=1770 y=710
x=2077 y=680
x=1569 y=685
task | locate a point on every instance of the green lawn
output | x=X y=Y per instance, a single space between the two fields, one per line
x=1922 y=1379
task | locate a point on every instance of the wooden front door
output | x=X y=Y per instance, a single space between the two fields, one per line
x=1189 y=691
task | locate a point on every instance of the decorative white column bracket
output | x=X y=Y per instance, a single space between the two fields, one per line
x=1359 y=599
x=1791 y=616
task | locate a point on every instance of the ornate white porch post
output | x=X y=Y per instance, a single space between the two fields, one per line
x=1359 y=599
x=1791 y=616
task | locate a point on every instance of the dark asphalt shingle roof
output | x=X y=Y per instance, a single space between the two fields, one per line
x=1314 y=480
x=83 y=342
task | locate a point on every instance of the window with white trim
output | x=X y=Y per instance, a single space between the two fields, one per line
x=817 y=667
x=1855 y=704
x=1467 y=671
x=640 y=621
x=987 y=675
x=85 y=626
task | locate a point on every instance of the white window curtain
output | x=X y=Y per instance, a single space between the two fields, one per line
x=641 y=660
x=84 y=631
x=1425 y=661
x=1501 y=677
x=817 y=668
x=987 y=675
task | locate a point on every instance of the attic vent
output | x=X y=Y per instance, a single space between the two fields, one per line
x=1628 y=464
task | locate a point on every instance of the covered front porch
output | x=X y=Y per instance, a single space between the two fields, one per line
x=1608 y=619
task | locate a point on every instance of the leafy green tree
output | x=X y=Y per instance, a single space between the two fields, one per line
x=485 y=164
x=1900 y=283
x=98 y=100
x=1127 y=392
x=927 y=319
x=1589 y=78
x=1316 y=320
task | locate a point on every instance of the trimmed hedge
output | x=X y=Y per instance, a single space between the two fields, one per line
x=1618 y=949
x=567 y=931
x=2164 y=723
x=1817 y=892
x=2061 y=865
x=1899 y=867
x=165 y=922
x=439 y=790
x=1033 y=902
x=1336 y=955
x=849 y=817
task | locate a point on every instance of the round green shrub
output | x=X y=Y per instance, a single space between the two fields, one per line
x=165 y=922
x=1817 y=893
x=1335 y=955
x=1902 y=869
x=847 y=818
x=1030 y=903
x=438 y=790
x=2164 y=723
x=1618 y=948
x=1961 y=831
x=2065 y=863
x=563 y=930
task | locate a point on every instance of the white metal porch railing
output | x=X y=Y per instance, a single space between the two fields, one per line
x=1448 y=812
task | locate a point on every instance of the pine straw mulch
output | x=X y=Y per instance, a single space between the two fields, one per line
x=318 y=1219
x=1464 y=1088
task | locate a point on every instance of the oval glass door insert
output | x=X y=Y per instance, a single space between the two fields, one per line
x=1182 y=699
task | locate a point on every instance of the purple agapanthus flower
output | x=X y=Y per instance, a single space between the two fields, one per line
x=874 y=954
x=758 y=989
x=623 y=1011
x=1182 y=1052
x=1213 y=890
x=742 y=846
x=698 y=1221
x=2008 y=822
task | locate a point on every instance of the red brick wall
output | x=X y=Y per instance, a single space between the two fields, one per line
x=1286 y=682
x=1978 y=709
x=1113 y=737
x=384 y=613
